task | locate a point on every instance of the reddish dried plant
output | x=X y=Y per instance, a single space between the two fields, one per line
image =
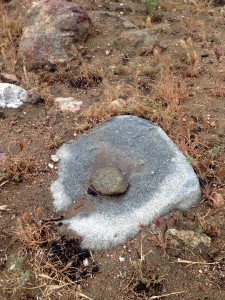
x=217 y=53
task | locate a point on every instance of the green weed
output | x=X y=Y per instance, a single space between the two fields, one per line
x=150 y=6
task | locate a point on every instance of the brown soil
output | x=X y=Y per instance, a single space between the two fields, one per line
x=178 y=83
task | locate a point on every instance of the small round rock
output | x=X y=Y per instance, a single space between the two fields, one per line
x=109 y=181
x=118 y=103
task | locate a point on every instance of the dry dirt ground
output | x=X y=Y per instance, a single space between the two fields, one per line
x=178 y=83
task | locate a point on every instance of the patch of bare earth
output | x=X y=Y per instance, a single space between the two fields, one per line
x=178 y=83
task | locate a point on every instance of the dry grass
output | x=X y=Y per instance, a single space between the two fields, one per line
x=17 y=168
x=46 y=262
x=145 y=283
x=31 y=231
x=10 y=31
x=157 y=236
x=162 y=107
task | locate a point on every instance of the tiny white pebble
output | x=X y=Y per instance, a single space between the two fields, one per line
x=107 y=52
x=51 y=166
x=54 y=158
x=12 y=267
x=121 y=259
x=85 y=262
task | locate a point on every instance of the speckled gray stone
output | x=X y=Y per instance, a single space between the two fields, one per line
x=109 y=181
x=13 y=96
x=159 y=175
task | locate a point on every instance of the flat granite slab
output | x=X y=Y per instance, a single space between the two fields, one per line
x=159 y=175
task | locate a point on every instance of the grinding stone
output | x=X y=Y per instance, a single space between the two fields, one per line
x=109 y=181
x=159 y=175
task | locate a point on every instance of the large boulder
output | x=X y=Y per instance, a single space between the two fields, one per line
x=52 y=27
x=160 y=180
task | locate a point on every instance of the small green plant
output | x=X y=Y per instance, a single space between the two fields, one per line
x=19 y=275
x=24 y=277
x=17 y=264
x=150 y=6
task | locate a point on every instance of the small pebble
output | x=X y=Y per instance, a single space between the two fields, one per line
x=85 y=262
x=118 y=103
x=95 y=269
x=213 y=124
x=108 y=52
x=54 y=158
x=121 y=259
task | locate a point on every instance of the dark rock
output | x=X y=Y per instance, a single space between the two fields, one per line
x=218 y=2
x=92 y=191
x=2 y=115
x=33 y=98
x=109 y=181
x=204 y=54
x=52 y=27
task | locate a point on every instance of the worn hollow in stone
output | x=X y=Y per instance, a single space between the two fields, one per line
x=109 y=181
x=52 y=29
x=159 y=175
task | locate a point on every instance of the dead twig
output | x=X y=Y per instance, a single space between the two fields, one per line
x=183 y=261
x=52 y=219
x=167 y=295
x=129 y=283
x=84 y=296
x=3 y=207
x=4 y=182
